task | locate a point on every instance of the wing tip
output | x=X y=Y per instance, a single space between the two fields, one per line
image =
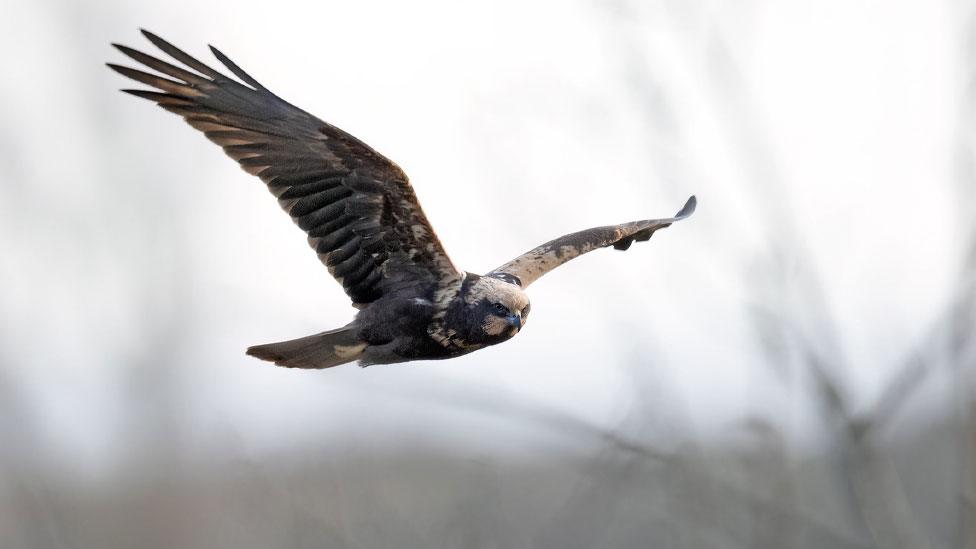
x=121 y=69
x=148 y=34
x=235 y=68
x=688 y=208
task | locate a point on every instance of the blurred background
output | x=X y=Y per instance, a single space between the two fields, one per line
x=792 y=367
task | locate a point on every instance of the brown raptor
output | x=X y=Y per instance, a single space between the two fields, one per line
x=364 y=222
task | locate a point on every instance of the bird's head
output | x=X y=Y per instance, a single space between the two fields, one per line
x=495 y=309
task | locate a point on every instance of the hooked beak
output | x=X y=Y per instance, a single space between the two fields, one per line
x=515 y=319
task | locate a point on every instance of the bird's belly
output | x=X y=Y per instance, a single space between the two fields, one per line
x=407 y=349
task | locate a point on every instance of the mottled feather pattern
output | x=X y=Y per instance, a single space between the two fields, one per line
x=528 y=267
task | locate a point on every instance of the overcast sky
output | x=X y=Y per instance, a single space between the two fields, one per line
x=822 y=141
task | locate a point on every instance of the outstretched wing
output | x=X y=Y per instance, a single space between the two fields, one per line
x=526 y=268
x=358 y=208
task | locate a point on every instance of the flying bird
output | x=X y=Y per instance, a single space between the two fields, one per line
x=364 y=222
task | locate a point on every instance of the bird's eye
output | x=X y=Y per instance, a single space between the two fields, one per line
x=501 y=309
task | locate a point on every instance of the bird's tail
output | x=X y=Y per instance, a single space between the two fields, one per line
x=323 y=350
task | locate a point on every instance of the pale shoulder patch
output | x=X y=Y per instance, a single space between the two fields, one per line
x=348 y=351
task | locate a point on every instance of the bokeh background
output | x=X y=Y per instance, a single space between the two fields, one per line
x=793 y=367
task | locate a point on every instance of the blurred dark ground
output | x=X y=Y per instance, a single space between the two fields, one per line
x=130 y=418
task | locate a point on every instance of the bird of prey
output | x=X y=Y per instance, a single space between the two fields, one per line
x=364 y=222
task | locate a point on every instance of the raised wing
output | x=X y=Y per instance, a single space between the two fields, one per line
x=358 y=208
x=526 y=268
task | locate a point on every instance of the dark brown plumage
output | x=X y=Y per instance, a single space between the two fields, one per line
x=363 y=220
